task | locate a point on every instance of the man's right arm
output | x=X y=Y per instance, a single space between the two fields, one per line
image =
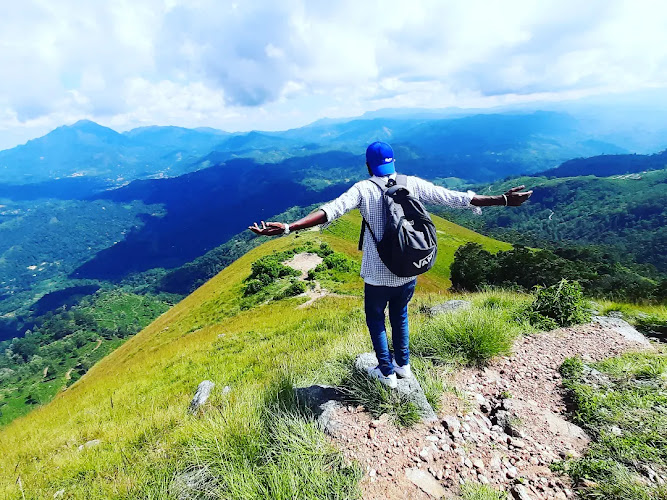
x=349 y=200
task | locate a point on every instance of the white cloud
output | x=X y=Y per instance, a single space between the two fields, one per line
x=272 y=65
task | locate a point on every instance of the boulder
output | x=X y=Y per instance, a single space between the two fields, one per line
x=322 y=401
x=201 y=396
x=623 y=328
x=449 y=306
x=409 y=388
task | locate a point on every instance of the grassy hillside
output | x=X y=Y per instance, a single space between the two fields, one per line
x=134 y=401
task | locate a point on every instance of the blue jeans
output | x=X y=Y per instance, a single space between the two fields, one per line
x=376 y=299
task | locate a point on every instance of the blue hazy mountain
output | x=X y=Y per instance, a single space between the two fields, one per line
x=606 y=165
x=476 y=148
x=87 y=149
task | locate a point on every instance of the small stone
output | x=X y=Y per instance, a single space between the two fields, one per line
x=467 y=463
x=451 y=423
x=482 y=479
x=59 y=493
x=371 y=433
x=372 y=473
x=511 y=472
x=516 y=442
x=424 y=454
x=478 y=464
x=375 y=424
x=520 y=492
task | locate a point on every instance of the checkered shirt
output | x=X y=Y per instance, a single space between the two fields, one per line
x=367 y=197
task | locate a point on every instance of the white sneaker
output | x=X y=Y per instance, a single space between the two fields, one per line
x=390 y=380
x=402 y=371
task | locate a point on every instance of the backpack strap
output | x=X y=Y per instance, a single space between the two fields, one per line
x=402 y=181
x=365 y=225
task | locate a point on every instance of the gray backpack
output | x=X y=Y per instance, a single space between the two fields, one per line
x=409 y=244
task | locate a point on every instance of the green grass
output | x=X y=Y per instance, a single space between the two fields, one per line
x=474 y=491
x=627 y=416
x=135 y=400
x=471 y=337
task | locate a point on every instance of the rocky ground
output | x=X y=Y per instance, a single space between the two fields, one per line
x=502 y=425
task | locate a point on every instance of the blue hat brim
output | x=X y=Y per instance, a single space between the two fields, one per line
x=384 y=169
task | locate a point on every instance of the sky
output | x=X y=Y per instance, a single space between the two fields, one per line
x=269 y=65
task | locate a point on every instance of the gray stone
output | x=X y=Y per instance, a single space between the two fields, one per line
x=509 y=423
x=407 y=387
x=201 y=396
x=426 y=482
x=623 y=328
x=520 y=492
x=90 y=444
x=449 y=306
x=560 y=426
x=322 y=401
x=194 y=484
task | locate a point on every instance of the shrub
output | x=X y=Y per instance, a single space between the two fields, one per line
x=472 y=337
x=252 y=287
x=339 y=262
x=563 y=302
x=295 y=288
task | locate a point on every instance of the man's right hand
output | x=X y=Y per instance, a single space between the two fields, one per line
x=268 y=228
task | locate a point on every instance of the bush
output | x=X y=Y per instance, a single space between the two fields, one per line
x=339 y=262
x=564 y=303
x=296 y=288
x=472 y=337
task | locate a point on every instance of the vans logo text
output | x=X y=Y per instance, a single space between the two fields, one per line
x=424 y=261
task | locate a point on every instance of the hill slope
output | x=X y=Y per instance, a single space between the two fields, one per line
x=134 y=401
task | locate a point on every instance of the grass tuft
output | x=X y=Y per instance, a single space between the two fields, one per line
x=475 y=491
x=472 y=337
x=378 y=399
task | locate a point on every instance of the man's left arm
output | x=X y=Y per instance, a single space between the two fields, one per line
x=429 y=193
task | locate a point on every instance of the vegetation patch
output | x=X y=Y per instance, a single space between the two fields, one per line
x=563 y=304
x=622 y=403
x=471 y=337
x=475 y=491
x=275 y=452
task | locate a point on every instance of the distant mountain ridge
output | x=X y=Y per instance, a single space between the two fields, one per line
x=476 y=147
x=606 y=165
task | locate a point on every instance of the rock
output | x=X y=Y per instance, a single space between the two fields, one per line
x=322 y=401
x=407 y=387
x=623 y=328
x=511 y=472
x=478 y=464
x=520 y=492
x=201 y=396
x=89 y=444
x=508 y=422
x=451 y=423
x=559 y=425
x=449 y=306
x=426 y=482
x=59 y=493
x=194 y=484
x=226 y=390
x=516 y=442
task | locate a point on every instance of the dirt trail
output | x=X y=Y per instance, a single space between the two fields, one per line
x=466 y=444
x=304 y=262
x=68 y=375
x=99 y=342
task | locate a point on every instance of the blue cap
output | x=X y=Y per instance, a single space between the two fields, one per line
x=380 y=159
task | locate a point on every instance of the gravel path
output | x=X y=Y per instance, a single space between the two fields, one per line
x=509 y=424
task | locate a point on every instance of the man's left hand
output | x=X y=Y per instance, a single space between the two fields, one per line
x=516 y=197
